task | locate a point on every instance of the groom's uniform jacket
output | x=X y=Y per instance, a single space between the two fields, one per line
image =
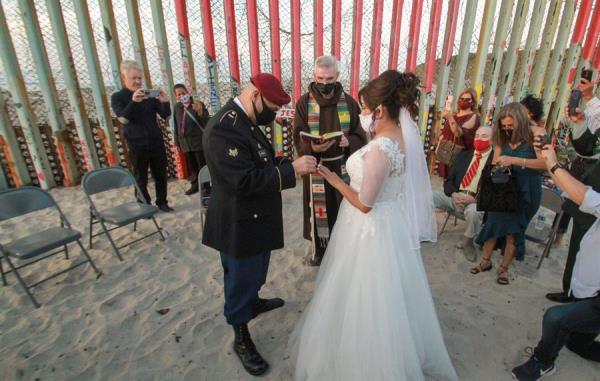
x=244 y=215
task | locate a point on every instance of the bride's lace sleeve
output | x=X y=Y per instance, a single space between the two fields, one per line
x=376 y=167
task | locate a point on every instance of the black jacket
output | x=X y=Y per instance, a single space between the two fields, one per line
x=244 y=215
x=139 y=119
x=459 y=170
x=192 y=135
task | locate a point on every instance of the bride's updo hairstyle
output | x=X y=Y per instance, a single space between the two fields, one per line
x=393 y=90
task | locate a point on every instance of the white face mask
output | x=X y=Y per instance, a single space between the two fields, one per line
x=366 y=121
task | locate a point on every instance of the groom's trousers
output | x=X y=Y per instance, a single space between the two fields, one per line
x=242 y=279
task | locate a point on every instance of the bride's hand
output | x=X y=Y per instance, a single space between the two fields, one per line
x=331 y=177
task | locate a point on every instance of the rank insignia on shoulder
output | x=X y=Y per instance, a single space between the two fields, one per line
x=233 y=152
x=230 y=117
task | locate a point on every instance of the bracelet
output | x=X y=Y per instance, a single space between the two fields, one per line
x=555 y=167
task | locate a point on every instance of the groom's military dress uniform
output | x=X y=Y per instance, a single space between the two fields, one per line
x=244 y=219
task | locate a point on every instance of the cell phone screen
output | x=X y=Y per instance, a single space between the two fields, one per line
x=587 y=74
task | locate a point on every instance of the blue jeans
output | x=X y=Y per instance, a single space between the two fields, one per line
x=575 y=325
x=243 y=278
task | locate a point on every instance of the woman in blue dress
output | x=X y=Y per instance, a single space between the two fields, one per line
x=513 y=139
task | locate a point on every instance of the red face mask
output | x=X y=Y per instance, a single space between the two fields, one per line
x=481 y=145
x=463 y=105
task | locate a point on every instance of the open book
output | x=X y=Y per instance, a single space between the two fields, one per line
x=336 y=135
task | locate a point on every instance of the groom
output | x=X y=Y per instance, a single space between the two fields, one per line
x=244 y=221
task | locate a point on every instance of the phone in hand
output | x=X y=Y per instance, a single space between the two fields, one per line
x=449 y=101
x=151 y=93
x=587 y=74
x=540 y=141
x=574 y=100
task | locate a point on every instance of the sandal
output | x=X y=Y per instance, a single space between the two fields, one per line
x=502 y=276
x=480 y=269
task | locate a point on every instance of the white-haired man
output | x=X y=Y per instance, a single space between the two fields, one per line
x=137 y=112
x=460 y=187
x=325 y=108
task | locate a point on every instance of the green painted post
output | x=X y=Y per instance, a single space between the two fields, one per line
x=111 y=37
x=31 y=130
x=510 y=61
x=535 y=27
x=65 y=58
x=558 y=54
x=485 y=33
x=460 y=69
x=89 y=48
x=162 y=44
x=497 y=54
x=48 y=88
x=3 y=182
x=16 y=164
x=137 y=39
x=543 y=55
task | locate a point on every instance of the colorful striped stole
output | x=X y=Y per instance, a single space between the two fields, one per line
x=318 y=202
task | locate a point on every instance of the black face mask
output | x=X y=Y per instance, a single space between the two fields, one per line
x=266 y=116
x=509 y=133
x=325 y=88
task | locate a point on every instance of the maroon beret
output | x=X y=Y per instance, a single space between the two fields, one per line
x=270 y=88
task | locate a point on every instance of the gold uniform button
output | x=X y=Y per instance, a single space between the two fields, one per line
x=265 y=159
x=255 y=216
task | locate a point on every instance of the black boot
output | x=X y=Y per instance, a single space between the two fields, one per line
x=244 y=348
x=266 y=305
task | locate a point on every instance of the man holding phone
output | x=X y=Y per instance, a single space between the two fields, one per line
x=136 y=108
x=584 y=133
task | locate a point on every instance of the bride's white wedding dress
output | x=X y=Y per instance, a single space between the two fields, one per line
x=372 y=316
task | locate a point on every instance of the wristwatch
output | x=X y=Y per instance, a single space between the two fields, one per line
x=555 y=167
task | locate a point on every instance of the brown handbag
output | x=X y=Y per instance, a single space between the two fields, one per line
x=447 y=151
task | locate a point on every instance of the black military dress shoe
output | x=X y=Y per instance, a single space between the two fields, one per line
x=165 y=208
x=266 y=305
x=559 y=297
x=244 y=348
x=191 y=191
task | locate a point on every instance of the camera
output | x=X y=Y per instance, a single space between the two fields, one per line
x=587 y=74
x=151 y=93
x=540 y=141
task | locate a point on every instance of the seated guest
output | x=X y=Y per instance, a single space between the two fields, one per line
x=513 y=139
x=138 y=114
x=584 y=133
x=576 y=324
x=460 y=126
x=190 y=119
x=535 y=110
x=460 y=188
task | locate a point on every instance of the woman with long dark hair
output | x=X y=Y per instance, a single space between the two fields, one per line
x=372 y=315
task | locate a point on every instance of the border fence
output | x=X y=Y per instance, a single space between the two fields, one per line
x=59 y=62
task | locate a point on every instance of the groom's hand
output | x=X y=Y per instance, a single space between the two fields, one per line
x=305 y=164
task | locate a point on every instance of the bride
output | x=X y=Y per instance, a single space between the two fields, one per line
x=372 y=316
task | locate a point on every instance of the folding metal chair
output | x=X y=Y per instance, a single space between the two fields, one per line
x=203 y=177
x=30 y=249
x=105 y=179
x=552 y=201
x=456 y=215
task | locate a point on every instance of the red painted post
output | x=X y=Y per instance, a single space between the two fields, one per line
x=376 y=37
x=395 y=34
x=232 y=47
x=296 y=58
x=592 y=34
x=356 y=38
x=253 y=37
x=585 y=11
x=336 y=37
x=413 y=35
x=596 y=58
x=318 y=27
x=210 y=54
x=275 y=43
x=185 y=46
x=432 y=40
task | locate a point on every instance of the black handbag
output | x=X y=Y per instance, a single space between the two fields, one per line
x=497 y=191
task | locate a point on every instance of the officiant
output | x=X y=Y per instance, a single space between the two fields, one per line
x=326 y=107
